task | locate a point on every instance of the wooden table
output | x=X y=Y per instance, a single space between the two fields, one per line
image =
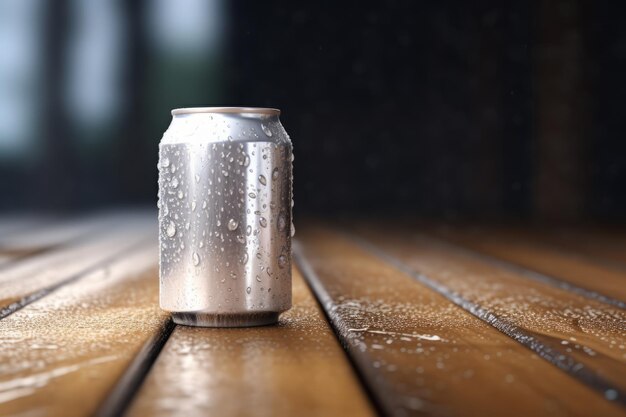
x=395 y=318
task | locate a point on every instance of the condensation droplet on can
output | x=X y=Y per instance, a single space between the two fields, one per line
x=282 y=261
x=171 y=229
x=266 y=130
x=282 y=222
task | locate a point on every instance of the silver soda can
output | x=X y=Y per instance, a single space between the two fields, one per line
x=225 y=198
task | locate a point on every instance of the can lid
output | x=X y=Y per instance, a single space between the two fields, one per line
x=237 y=110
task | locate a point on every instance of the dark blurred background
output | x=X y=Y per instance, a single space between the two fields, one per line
x=500 y=110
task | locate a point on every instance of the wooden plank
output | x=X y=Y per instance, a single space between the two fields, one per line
x=529 y=250
x=422 y=355
x=36 y=277
x=62 y=355
x=49 y=236
x=11 y=225
x=596 y=243
x=582 y=336
x=296 y=368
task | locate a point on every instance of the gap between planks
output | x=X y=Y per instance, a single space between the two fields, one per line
x=366 y=275
x=38 y=294
x=551 y=353
x=529 y=272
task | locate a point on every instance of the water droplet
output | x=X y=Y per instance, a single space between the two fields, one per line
x=197 y=178
x=218 y=223
x=173 y=168
x=180 y=194
x=225 y=173
x=282 y=222
x=233 y=274
x=171 y=229
x=248 y=230
x=204 y=204
x=165 y=162
x=610 y=394
x=258 y=278
x=244 y=258
x=195 y=258
x=241 y=239
x=282 y=261
x=232 y=224
x=275 y=174
x=262 y=179
x=293 y=230
x=248 y=290
x=252 y=195
x=174 y=182
x=193 y=205
x=263 y=222
x=246 y=161
x=266 y=130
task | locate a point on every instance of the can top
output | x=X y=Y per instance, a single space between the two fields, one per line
x=236 y=110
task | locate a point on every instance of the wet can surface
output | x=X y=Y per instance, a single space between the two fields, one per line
x=225 y=198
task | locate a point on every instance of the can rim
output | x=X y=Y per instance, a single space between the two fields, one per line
x=237 y=110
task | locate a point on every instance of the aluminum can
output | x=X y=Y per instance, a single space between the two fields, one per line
x=225 y=199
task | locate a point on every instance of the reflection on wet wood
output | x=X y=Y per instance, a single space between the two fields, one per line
x=421 y=354
x=61 y=355
x=530 y=251
x=582 y=336
x=294 y=369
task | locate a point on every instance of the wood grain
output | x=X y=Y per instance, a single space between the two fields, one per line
x=584 y=337
x=296 y=368
x=529 y=250
x=61 y=355
x=35 y=277
x=419 y=353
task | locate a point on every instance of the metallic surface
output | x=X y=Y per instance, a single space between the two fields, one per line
x=224 y=217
